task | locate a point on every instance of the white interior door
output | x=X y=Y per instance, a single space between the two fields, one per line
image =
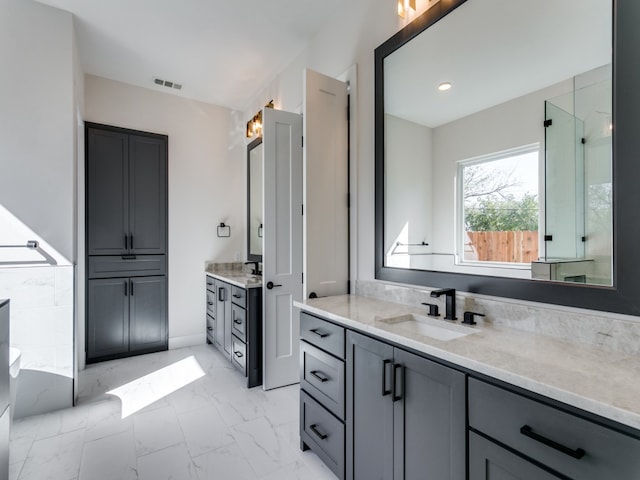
x=282 y=236
x=326 y=186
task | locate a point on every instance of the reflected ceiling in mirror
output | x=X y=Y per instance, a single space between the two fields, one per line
x=508 y=172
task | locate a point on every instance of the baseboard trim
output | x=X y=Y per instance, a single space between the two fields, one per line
x=187 y=341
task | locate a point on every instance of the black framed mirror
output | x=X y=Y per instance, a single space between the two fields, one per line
x=624 y=294
x=254 y=200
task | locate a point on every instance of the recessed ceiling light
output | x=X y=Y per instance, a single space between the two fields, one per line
x=444 y=86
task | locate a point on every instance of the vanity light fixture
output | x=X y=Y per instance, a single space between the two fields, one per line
x=444 y=86
x=254 y=126
x=224 y=230
x=404 y=6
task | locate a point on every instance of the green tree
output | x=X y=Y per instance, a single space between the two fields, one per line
x=502 y=213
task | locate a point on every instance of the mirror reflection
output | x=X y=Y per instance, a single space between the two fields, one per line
x=254 y=200
x=498 y=124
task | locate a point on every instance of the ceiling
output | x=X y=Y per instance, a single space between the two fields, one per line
x=493 y=51
x=221 y=51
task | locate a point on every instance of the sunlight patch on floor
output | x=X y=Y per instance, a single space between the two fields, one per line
x=143 y=391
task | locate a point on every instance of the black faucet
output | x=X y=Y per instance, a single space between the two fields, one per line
x=450 y=302
x=256 y=270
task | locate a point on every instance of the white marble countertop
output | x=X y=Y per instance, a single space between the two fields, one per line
x=239 y=279
x=588 y=378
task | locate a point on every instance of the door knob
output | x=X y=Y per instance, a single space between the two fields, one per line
x=270 y=285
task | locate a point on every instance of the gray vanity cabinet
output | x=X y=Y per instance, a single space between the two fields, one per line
x=561 y=442
x=405 y=414
x=488 y=461
x=234 y=326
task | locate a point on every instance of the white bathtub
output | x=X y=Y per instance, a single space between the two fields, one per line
x=14 y=370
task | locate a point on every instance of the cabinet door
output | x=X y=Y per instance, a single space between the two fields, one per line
x=147 y=194
x=107 y=317
x=429 y=419
x=219 y=336
x=488 y=461
x=107 y=193
x=148 y=313
x=369 y=413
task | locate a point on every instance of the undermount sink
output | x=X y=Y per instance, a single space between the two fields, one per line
x=412 y=324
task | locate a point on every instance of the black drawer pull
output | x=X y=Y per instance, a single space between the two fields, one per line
x=236 y=296
x=209 y=303
x=209 y=283
x=527 y=431
x=314 y=429
x=131 y=241
x=238 y=354
x=385 y=391
x=317 y=332
x=237 y=322
x=398 y=373
x=129 y=256
x=125 y=241
x=210 y=328
x=317 y=374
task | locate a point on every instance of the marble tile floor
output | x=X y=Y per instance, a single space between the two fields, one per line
x=212 y=428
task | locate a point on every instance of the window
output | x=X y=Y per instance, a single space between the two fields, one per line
x=498 y=195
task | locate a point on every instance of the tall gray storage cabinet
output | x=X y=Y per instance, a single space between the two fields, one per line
x=126 y=242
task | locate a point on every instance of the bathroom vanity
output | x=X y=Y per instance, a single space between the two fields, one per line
x=234 y=318
x=386 y=390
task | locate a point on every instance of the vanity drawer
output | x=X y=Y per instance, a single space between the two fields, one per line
x=322 y=376
x=325 y=335
x=239 y=354
x=239 y=322
x=211 y=284
x=211 y=329
x=239 y=296
x=323 y=433
x=551 y=436
x=211 y=303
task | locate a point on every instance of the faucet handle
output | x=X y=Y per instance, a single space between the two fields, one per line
x=433 y=309
x=468 y=317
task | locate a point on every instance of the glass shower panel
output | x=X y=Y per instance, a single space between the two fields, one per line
x=564 y=185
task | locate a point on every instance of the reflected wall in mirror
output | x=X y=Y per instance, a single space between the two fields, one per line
x=254 y=200
x=508 y=172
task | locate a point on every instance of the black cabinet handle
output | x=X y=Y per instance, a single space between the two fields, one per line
x=209 y=283
x=314 y=429
x=220 y=293
x=210 y=328
x=131 y=287
x=271 y=285
x=317 y=374
x=238 y=354
x=209 y=303
x=236 y=296
x=131 y=241
x=398 y=373
x=237 y=322
x=126 y=237
x=125 y=287
x=385 y=391
x=527 y=431
x=317 y=332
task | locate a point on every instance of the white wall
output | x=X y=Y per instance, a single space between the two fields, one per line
x=207 y=185
x=37 y=120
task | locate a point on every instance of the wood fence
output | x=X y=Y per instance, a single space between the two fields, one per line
x=511 y=246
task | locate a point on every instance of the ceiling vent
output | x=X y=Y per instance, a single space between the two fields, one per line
x=167 y=83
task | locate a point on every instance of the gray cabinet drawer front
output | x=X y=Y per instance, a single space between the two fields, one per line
x=325 y=335
x=525 y=425
x=211 y=303
x=211 y=328
x=239 y=354
x=323 y=433
x=115 y=266
x=239 y=322
x=322 y=376
x=239 y=296
x=211 y=284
